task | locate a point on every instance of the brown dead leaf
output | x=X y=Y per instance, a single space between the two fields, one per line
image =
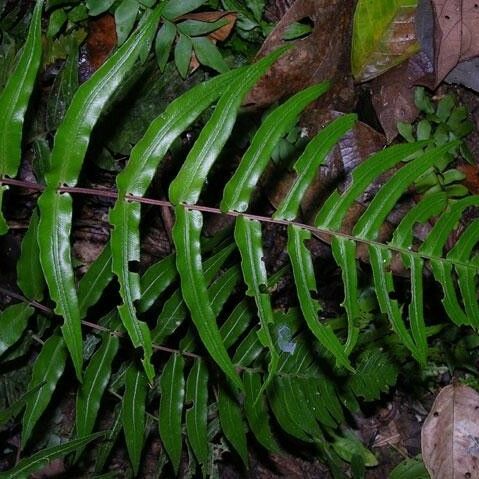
x=393 y=93
x=450 y=434
x=456 y=35
x=323 y=55
x=100 y=42
x=222 y=33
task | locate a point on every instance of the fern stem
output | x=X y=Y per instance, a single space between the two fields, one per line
x=264 y=219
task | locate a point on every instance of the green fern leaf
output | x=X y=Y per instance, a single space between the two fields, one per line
x=40 y=459
x=307 y=164
x=236 y=323
x=13 y=322
x=433 y=246
x=238 y=190
x=305 y=283
x=94 y=281
x=187 y=185
x=248 y=238
x=55 y=208
x=344 y=253
x=463 y=253
x=232 y=423
x=14 y=102
x=286 y=419
x=105 y=448
x=223 y=287
x=134 y=179
x=375 y=373
x=384 y=201
x=47 y=370
x=30 y=277
x=18 y=405
x=249 y=349
x=133 y=414
x=172 y=385
x=197 y=415
x=155 y=280
x=334 y=210
x=174 y=310
x=257 y=413
x=186 y=236
x=96 y=378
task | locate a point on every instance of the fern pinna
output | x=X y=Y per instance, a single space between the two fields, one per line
x=254 y=369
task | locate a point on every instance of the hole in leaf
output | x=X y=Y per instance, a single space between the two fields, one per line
x=468 y=475
x=299 y=30
x=394 y=295
x=436 y=414
x=447 y=17
x=134 y=266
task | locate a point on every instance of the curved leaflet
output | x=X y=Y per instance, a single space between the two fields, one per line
x=133 y=414
x=305 y=283
x=187 y=185
x=186 y=236
x=197 y=415
x=96 y=378
x=248 y=238
x=238 y=190
x=172 y=385
x=13 y=322
x=40 y=459
x=70 y=145
x=232 y=423
x=47 y=369
x=14 y=102
x=134 y=180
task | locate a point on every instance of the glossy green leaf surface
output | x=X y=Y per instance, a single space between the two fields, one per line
x=47 y=370
x=94 y=281
x=174 y=9
x=336 y=206
x=172 y=385
x=54 y=243
x=186 y=235
x=13 y=322
x=208 y=54
x=384 y=201
x=307 y=164
x=39 y=460
x=248 y=237
x=187 y=185
x=197 y=414
x=155 y=280
x=305 y=283
x=232 y=423
x=97 y=375
x=30 y=277
x=66 y=162
x=134 y=179
x=238 y=190
x=163 y=43
x=14 y=101
x=257 y=413
x=133 y=414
